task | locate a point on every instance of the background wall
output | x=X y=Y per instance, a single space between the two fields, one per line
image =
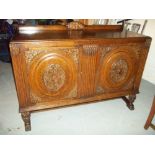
x=149 y=71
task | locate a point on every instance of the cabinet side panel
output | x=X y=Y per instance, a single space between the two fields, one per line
x=19 y=74
x=143 y=58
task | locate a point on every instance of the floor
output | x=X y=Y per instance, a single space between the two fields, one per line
x=106 y=117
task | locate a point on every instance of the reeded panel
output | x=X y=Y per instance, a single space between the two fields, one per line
x=88 y=64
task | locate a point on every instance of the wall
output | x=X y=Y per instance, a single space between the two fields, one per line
x=149 y=71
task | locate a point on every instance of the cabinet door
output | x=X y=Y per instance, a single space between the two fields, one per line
x=52 y=73
x=118 y=69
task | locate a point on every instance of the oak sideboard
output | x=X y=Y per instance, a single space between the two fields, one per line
x=56 y=66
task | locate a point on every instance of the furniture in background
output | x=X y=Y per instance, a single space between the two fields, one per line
x=4 y=49
x=150 y=117
x=56 y=66
x=35 y=22
x=134 y=27
x=6 y=32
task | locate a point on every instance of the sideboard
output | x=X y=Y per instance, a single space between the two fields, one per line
x=56 y=66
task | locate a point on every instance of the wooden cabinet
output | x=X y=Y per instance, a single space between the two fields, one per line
x=58 y=66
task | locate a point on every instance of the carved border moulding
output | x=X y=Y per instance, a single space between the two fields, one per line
x=34 y=98
x=75 y=26
x=104 y=50
x=31 y=54
x=73 y=53
x=90 y=49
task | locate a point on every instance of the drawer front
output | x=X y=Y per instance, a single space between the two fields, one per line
x=118 y=68
x=52 y=73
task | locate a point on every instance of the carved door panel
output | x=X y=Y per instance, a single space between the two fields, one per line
x=118 y=69
x=52 y=73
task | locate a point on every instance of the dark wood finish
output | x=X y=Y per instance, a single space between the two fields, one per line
x=56 y=66
x=150 y=117
x=129 y=101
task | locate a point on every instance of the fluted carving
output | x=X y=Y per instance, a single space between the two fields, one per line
x=90 y=49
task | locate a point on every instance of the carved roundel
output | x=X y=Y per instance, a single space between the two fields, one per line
x=117 y=69
x=52 y=75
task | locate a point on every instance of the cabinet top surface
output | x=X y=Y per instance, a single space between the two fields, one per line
x=54 y=34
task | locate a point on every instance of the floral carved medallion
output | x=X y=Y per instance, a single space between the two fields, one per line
x=118 y=70
x=54 y=77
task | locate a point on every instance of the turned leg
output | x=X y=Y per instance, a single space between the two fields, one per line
x=26 y=119
x=150 y=117
x=129 y=101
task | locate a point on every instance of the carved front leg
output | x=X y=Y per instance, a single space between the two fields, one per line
x=27 y=121
x=129 y=101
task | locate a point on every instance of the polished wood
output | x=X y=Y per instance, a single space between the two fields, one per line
x=84 y=21
x=60 y=28
x=150 y=117
x=129 y=101
x=56 y=66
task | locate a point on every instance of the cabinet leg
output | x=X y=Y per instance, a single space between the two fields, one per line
x=27 y=121
x=129 y=101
